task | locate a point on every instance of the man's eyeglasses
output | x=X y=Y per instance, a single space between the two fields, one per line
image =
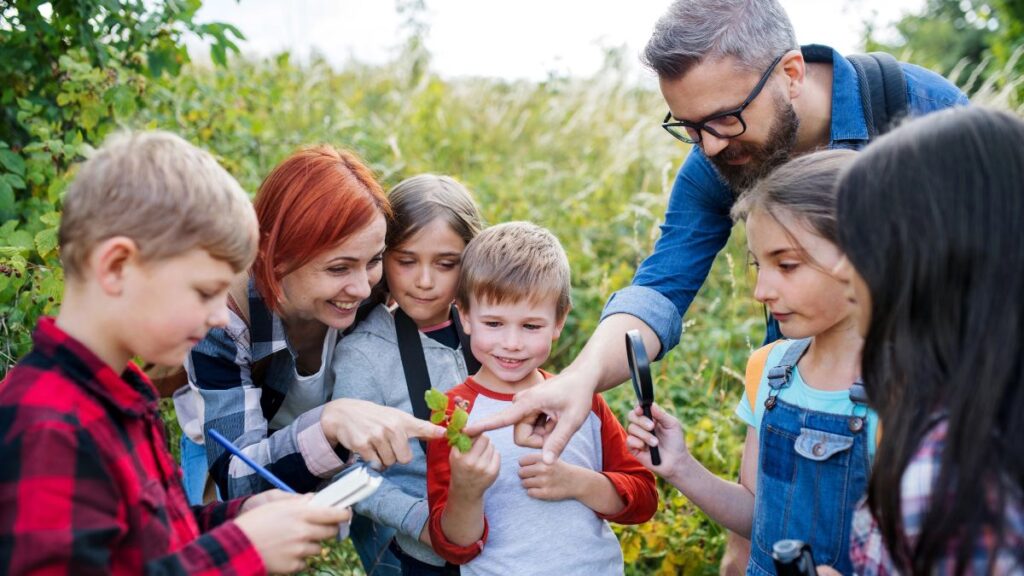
x=728 y=124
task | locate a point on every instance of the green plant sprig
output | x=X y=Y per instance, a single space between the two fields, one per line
x=438 y=404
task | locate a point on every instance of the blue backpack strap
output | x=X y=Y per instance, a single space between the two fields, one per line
x=779 y=375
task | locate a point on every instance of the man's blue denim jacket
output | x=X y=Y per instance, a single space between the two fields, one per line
x=697 y=222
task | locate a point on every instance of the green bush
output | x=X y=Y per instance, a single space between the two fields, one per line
x=73 y=71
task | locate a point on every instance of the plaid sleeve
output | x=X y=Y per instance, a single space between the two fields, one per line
x=225 y=550
x=213 y=515
x=298 y=454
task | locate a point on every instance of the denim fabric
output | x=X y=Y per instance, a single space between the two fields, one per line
x=697 y=223
x=812 y=470
x=193 y=470
x=799 y=393
x=372 y=542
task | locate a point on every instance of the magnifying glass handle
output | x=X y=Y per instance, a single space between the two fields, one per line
x=655 y=455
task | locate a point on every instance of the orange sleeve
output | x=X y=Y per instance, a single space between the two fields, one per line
x=634 y=483
x=438 y=481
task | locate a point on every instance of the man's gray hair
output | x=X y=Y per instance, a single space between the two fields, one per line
x=753 y=32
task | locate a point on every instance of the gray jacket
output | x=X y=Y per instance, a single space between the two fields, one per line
x=367 y=366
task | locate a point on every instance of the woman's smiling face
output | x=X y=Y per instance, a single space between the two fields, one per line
x=330 y=287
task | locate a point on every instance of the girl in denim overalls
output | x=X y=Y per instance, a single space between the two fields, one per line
x=808 y=448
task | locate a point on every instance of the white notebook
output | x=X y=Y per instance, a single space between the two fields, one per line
x=355 y=484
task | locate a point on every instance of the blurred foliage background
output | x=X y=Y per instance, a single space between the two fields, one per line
x=978 y=44
x=581 y=156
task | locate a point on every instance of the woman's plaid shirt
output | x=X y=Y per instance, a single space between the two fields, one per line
x=868 y=552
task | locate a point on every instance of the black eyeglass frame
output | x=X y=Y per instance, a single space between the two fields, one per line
x=701 y=127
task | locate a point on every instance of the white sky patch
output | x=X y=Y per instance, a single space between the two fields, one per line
x=525 y=39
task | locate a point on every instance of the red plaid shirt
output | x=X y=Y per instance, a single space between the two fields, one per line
x=87 y=485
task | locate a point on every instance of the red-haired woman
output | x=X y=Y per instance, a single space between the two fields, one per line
x=264 y=380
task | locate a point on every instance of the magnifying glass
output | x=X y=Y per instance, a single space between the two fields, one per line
x=640 y=370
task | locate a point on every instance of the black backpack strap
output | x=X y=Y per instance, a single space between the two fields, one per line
x=896 y=104
x=472 y=364
x=414 y=364
x=883 y=90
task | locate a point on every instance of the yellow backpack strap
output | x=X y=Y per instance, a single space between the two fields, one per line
x=755 y=368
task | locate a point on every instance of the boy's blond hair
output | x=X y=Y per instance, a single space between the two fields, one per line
x=510 y=262
x=165 y=194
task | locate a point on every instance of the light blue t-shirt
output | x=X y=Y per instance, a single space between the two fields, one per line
x=798 y=393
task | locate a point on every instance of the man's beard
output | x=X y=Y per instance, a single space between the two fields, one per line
x=764 y=158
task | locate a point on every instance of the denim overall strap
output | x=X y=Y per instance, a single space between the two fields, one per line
x=812 y=469
x=779 y=375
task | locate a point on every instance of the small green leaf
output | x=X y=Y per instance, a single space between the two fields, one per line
x=12 y=162
x=218 y=54
x=121 y=99
x=50 y=218
x=459 y=419
x=55 y=189
x=46 y=241
x=436 y=417
x=6 y=199
x=436 y=400
x=451 y=435
x=14 y=181
x=52 y=285
x=17 y=262
x=463 y=443
x=90 y=117
x=21 y=239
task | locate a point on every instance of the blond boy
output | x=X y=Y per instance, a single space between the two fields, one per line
x=153 y=231
x=498 y=509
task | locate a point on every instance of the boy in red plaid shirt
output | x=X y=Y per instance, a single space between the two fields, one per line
x=152 y=233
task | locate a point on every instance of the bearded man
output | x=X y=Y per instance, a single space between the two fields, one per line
x=748 y=97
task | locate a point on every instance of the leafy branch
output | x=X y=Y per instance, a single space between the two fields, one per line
x=438 y=404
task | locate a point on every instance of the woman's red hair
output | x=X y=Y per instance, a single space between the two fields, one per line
x=311 y=202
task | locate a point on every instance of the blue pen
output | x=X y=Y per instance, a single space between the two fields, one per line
x=266 y=474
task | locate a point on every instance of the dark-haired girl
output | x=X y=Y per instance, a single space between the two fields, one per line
x=931 y=218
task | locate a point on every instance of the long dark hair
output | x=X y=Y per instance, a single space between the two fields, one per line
x=932 y=217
